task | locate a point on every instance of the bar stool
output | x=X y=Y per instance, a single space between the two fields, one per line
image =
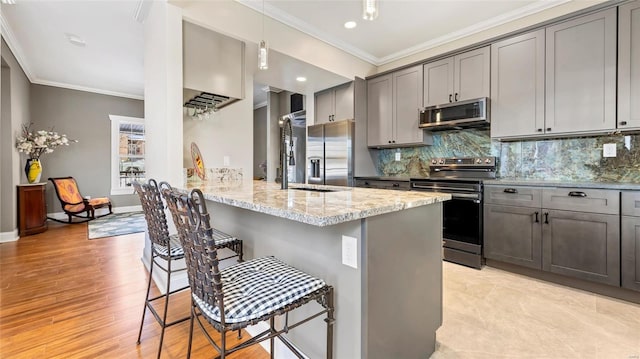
x=168 y=249
x=246 y=293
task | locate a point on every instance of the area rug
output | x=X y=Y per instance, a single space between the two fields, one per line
x=117 y=224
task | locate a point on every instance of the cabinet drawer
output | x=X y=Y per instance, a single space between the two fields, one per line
x=631 y=203
x=513 y=196
x=582 y=200
x=400 y=185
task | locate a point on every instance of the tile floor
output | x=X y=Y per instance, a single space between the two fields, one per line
x=496 y=314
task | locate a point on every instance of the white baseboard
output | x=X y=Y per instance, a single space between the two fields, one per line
x=63 y=216
x=9 y=236
x=282 y=352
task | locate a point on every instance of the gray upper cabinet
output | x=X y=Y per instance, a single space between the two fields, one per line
x=393 y=110
x=581 y=74
x=379 y=111
x=335 y=104
x=438 y=82
x=629 y=66
x=407 y=100
x=517 y=86
x=630 y=240
x=461 y=77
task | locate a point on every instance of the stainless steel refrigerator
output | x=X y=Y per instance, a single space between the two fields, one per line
x=330 y=153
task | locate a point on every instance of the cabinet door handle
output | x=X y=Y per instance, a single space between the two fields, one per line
x=539 y=130
x=577 y=194
x=450 y=98
x=389 y=141
x=548 y=129
x=394 y=141
x=546 y=217
x=537 y=221
x=456 y=97
x=510 y=190
x=623 y=123
x=396 y=185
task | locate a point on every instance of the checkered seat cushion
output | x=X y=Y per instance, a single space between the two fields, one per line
x=176 y=247
x=258 y=287
x=219 y=237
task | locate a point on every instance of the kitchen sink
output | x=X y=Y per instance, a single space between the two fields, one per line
x=311 y=189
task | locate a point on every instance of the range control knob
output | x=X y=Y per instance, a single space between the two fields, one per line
x=441 y=161
x=433 y=162
x=487 y=161
x=478 y=161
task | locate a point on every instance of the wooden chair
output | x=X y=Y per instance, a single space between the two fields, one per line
x=73 y=203
x=220 y=296
x=166 y=249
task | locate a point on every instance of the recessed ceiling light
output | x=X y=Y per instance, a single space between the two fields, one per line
x=301 y=79
x=75 y=39
x=350 y=24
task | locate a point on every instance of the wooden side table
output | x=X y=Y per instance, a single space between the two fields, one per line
x=32 y=209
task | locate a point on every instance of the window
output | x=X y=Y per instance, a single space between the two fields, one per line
x=127 y=153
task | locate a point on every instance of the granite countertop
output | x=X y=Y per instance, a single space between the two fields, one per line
x=566 y=184
x=315 y=208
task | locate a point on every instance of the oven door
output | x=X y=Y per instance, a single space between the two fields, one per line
x=462 y=227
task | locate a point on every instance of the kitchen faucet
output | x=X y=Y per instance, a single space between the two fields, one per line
x=286 y=124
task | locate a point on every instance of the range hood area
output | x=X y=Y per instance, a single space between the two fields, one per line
x=213 y=68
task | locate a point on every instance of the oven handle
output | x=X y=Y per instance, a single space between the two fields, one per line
x=466 y=197
x=434 y=188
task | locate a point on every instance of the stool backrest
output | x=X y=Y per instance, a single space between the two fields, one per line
x=192 y=221
x=153 y=207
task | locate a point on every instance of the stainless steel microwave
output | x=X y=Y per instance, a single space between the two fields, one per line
x=456 y=115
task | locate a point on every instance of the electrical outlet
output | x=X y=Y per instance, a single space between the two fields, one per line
x=226 y=160
x=350 y=251
x=609 y=150
x=398 y=156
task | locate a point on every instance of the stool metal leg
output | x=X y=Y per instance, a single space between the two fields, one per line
x=193 y=315
x=330 y=320
x=166 y=306
x=272 y=340
x=146 y=298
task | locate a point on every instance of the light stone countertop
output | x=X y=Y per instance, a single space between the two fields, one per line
x=315 y=208
x=565 y=184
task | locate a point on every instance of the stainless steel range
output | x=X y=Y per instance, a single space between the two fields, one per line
x=462 y=216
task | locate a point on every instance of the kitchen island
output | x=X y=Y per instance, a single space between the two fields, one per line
x=390 y=304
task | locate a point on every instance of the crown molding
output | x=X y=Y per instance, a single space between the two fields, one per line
x=15 y=48
x=87 y=89
x=474 y=29
x=302 y=26
x=260 y=105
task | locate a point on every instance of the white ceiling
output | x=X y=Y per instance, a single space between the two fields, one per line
x=403 y=27
x=112 y=60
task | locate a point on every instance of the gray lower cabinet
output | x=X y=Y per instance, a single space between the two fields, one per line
x=569 y=231
x=513 y=235
x=630 y=240
x=630 y=252
x=582 y=245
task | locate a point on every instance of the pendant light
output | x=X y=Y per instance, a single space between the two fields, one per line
x=369 y=9
x=263 y=49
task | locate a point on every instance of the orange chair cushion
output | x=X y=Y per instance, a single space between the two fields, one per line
x=75 y=208
x=97 y=202
x=68 y=191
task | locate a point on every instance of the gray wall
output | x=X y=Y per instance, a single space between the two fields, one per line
x=14 y=113
x=259 y=140
x=83 y=116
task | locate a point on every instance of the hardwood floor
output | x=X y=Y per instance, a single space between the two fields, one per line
x=64 y=296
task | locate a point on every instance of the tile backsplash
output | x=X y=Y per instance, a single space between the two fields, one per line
x=568 y=159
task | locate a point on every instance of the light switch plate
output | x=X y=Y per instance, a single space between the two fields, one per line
x=350 y=251
x=397 y=156
x=609 y=150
